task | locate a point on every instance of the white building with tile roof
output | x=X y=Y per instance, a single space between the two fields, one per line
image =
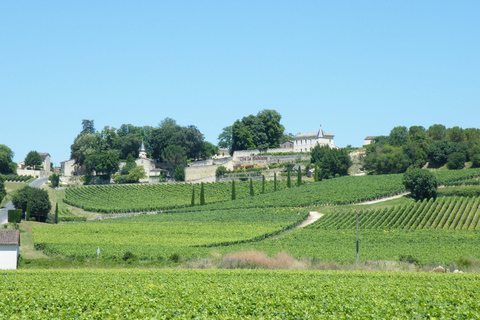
x=307 y=141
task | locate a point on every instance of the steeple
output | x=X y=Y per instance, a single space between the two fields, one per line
x=142 y=152
x=320 y=133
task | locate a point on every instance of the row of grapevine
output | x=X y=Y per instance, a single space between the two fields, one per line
x=236 y=294
x=17 y=178
x=442 y=213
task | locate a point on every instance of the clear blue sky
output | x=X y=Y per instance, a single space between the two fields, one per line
x=357 y=67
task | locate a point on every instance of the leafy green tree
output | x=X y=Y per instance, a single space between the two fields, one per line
x=436 y=132
x=252 y=193
x=174 y=156
x=272 y=127
x=129 y=145
x=84 y=146
x=56 y=213
x=129 y=165
x=439 y=151
x=476 y=161
x=225 y=138
x=36 y=198
x=33 y=159
x=331 y=161
x=241 y=137
x=455 y=134
x=416 y=133
x=88 y=126
x=136 y=174
x=220 y=171
x=107 y=162
x=7 y=166
x=27 y=213
x=234 y=195
x=179 y=174
x=3 y=190
x=299 y=176
x=456 y=161
x=55 y=180
x=202 y=195
x=421 y=183
x=398 y=135
x=208 y=150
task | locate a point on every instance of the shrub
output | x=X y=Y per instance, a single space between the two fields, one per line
x=175 y=257
x=129 y=256
x=15 y=215
x=456 y=161
x=220 y=171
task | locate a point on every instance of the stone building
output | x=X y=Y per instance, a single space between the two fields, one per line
x=307 y=141
x=368 y=140
x=42 y=173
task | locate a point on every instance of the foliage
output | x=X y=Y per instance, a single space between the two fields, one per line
x=136 y=174
x=33 y=159
x=208 y=150
x=15 y=215
x=3 y=190
x=459 y=213
x=234 y=194
x=456 y=161
x=55 y=180
x=252 y=193
x=289 y=181
x=220 y=171
x=174 y=155
x=189 y=138
x=192 y=203
x=421 y=183
x=261 y=132
x=225 y=138
x=6 y=163
x=179 y=174
x=88 y=126
x=236 y=294
x=37 y=199
x=299 y=176
x=331 y=161
x=18 y=178
x=154 y=233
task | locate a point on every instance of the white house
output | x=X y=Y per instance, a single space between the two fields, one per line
x=307 y=141
x=9 y=249
x=368 y=140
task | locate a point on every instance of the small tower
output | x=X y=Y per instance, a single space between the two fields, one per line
x=142 y=153
x=320 y=133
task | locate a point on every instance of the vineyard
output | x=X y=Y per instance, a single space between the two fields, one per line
x=158 y=236
x=151 y=197
x=17 y=178
x=225 y=294
x=443 y=213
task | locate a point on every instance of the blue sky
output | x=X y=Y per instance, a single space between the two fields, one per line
x=358 y=68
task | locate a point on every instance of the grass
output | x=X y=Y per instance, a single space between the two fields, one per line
x=11 y=186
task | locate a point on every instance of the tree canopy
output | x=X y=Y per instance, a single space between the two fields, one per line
x=7 y=166
x=331 y=162
x=421 y=183
x=413 y=148
x=33 y=159
x=3 y=190
x=261 y=132
x=37 y=198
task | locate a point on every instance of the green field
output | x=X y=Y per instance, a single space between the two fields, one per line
x=233 y=294
x=158 y=236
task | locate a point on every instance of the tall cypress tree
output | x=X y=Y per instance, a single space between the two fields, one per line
x=56 y=213
x=299 y=176
x=263 y=184
x=289 y=181
x=275 y=181
x=315 y=175
x=202 y=195
x=27 y=216
x=251 y=188
x=193 y=197
x=234 y=196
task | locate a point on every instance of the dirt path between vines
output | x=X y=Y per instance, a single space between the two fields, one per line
x=312 y=217
x=384 y=199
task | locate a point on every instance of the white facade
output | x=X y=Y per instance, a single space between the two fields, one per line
x=307 y=141
x=9 y=249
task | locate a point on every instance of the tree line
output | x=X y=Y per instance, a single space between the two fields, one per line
x=413 y=147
